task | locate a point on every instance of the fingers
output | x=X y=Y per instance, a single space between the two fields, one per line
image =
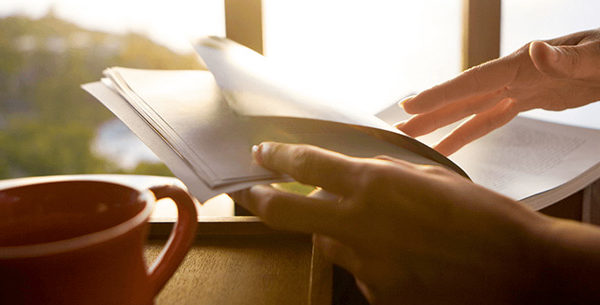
x=477 y=81
x=292 y=212
x=396 y=161
x=478 y=126
x=308 y=164
x=347 y=258
x=337 y=253
x=324 y=195
x=421 y=124
x=575 y=62
x=366 y=291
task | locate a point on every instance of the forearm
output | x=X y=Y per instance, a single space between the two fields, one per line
x=570 y=264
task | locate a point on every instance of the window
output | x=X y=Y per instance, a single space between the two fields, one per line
x=524 y=21
x=375 y=51
x=370 y=52
x=48 y=125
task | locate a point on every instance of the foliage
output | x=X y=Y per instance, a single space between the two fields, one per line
x=47 y=122
x=35 y=148
x=155 y=169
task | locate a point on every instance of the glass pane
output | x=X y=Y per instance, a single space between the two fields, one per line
x=524 y=21
x=372 y=52
x=48 y=124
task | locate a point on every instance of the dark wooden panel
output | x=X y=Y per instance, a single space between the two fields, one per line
x=240 y=270
x=243 y=23
x=239 y=260
x=569 y=208
x=481 y=31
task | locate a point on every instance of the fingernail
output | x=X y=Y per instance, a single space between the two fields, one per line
x=256 y=151
x=406 y=99
x=400 y=124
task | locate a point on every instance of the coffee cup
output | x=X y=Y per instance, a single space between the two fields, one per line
x=82 y=242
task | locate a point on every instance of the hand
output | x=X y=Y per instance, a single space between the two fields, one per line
x=554 y=75
x=409 y=233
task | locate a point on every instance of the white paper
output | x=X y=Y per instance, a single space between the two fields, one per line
x=524 y=158
x=253 y=86
x=130 y=117
x=216 y=140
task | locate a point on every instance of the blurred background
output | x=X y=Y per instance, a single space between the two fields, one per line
x=373 y=51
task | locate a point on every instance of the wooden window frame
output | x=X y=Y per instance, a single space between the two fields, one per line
x=480 y=38
x=481 y=31
x=243 y=23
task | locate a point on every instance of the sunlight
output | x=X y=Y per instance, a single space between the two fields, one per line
x=370 y=53
x=173 y=23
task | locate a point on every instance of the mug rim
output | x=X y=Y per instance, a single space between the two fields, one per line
x=81 y=241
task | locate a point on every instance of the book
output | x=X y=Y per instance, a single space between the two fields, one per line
x=202 y=125
x=534 y=161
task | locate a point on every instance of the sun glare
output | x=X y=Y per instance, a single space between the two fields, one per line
x=371 y=52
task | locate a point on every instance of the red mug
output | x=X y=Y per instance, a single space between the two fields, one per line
x=82 y=242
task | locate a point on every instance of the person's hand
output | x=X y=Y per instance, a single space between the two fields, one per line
x=409 y=233
x=554 y=75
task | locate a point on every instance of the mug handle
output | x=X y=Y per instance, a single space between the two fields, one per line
x=181 y=237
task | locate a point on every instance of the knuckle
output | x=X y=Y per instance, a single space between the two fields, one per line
x=267 y=208
x=370 y=174
x=352 y=215
x=510 y=106
x=434 y=170
x=490 y=124
x=444 y=92
x=473 y=75
x=505 y=92
x=573 y=60
x=302 y=158
x=596 y=48
x=298 y=153
x=384 y=158
x=522 y=53
x=509 y=109
x=472 y=107
x=372 y=179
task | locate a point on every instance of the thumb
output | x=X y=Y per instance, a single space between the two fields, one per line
x=575 y=62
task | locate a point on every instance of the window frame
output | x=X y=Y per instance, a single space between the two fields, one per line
x=480 y=33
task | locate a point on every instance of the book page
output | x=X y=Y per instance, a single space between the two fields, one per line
x=524 y=157
x=529 y=156
x=196 y=122
x=126 y=113
x=254 y=86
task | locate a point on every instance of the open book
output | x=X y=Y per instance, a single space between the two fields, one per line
x=202 y=125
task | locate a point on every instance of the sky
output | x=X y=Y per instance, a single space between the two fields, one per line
x=372 y=52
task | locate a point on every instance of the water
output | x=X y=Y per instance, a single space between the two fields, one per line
x=114 y=141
